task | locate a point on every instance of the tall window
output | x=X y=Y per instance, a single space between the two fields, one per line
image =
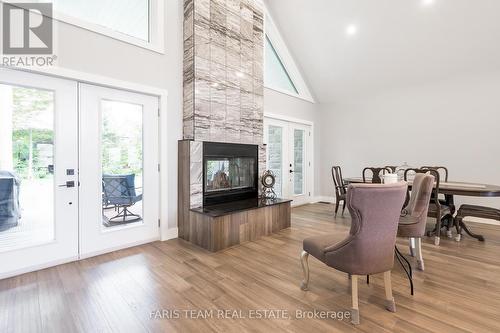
x=276 y=75
x=129 y=17
x=137 y=22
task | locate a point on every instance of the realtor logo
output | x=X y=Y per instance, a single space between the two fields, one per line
x=27 y=28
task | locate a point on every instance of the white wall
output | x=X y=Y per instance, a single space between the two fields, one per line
x=277 y=103
x=82 y=50
x=455 y=123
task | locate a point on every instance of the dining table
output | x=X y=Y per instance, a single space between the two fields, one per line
x=450 y=189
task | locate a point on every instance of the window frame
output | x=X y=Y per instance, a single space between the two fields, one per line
x=277 y=42
x=156 y=23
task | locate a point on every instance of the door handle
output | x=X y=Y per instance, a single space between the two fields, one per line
x=291 y=171
x=70 y=183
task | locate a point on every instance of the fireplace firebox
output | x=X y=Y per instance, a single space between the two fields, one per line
x=230 y=172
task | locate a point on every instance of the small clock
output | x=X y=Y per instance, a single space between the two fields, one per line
x=268 y=180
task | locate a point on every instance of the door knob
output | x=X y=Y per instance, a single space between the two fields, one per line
x=70 y=183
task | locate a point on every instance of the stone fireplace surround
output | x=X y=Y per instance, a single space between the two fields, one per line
x=223 y=102
x=223 y=80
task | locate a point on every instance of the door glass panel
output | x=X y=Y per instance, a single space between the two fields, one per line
x=122 y=168
x=298 y=161
x=275 y=156
x=26 y=167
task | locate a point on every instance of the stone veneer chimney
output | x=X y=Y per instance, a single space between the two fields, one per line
x=223 y=78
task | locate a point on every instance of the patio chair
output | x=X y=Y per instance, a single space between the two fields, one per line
x=10 y=213
x=119 y=192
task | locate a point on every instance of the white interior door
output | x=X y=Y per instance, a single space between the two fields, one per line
x=119 y=173
x=38 y=171
x=288 y=156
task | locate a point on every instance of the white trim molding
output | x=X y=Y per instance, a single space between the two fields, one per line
x=279 y=45
x=170 y=234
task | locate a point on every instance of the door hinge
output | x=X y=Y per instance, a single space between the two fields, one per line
x=309 y=133
x=158 y=167
x=159 y=111
x=158 y=223
x=309 y=193
x=309 y=163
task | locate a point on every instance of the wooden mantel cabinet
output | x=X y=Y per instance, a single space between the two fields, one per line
x=217 y=230
x=218 y=227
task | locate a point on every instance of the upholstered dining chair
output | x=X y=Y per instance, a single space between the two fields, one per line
x=340 y=188
x=376 y=172
x=369 y=247
x=414 y=216
x=437 y=209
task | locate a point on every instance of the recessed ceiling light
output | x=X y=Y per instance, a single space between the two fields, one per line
x=427 y=2
x=351 y=30
x=239 y=74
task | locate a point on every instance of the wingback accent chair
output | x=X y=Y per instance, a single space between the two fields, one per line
x=414 y=216
x=340 y=188
x=369 y=247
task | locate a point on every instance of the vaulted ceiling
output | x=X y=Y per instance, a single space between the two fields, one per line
x=397 y=42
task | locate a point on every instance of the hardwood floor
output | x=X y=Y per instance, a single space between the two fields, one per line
x=118 y=292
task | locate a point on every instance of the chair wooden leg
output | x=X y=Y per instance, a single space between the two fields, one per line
x=355 y=304
x=343 y=207
x=411 y=242
x=305 y=268
x=420 y=258
x=337 y=203
x=390 y=305
x=437 y=237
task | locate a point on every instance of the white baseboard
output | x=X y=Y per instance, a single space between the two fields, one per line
x=480 y=220
x=37 y=267
x=171 y=234
x=117 y=248
x=324 y=199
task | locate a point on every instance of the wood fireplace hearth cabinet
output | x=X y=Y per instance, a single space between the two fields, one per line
x=216 y=227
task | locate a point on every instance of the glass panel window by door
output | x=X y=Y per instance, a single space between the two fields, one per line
x=298 y=161
x=122 y=168
x=275 y=156
x=26 y=167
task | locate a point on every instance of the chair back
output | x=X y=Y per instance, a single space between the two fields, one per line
x=118 y=189
x=418 y=205
x=9 y=195
x=391 y=167
x=7 y=207
x=375 y=211
x=338 y=181
x=434 y=199
x=376 y=179
x=443 y=171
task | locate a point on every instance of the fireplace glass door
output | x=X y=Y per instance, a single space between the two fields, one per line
x=229 y=173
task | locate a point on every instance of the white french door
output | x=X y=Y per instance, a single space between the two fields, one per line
x=79 y=172
x=119 y=176
x=38 y=171
x=289 y=157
